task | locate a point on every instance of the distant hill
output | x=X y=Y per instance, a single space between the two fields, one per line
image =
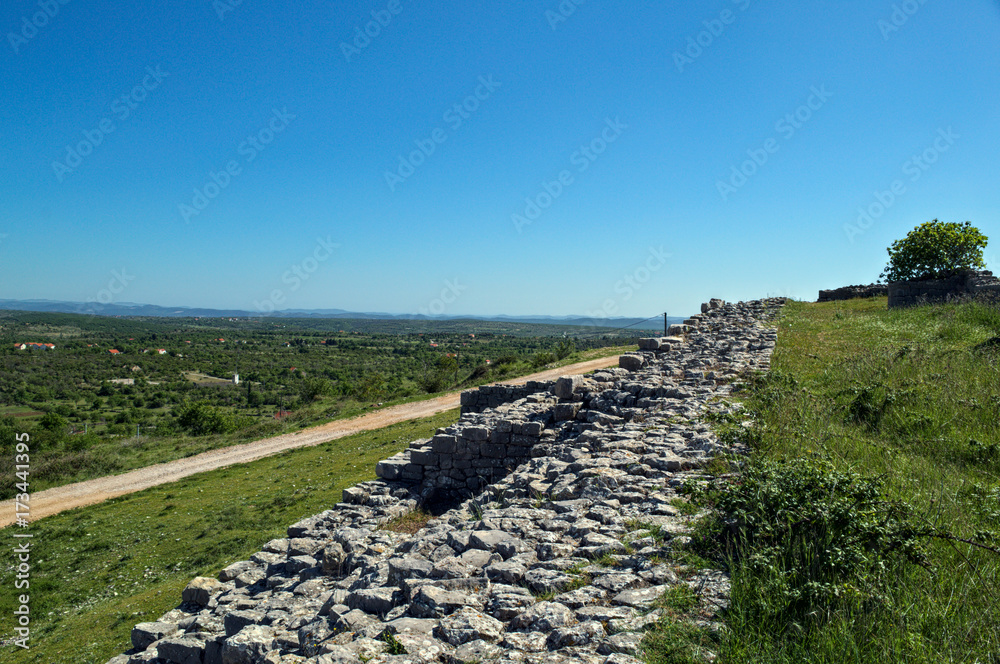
x=133 y=309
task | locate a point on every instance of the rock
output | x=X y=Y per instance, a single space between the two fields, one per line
x=354 y=620
x=524 y=642
x=467 y=625
x=631 y=362
x=423 y=647
x=474 y=651
x=506 y=603
x=641 y=598
x=566 y=411
x=506 y=572
x=566 y=385
x=314 y=636
x=232 y=571
x=624 y=642
x=367 y=649
x=546 y=580
x=335 y=654
x=431 y=602
x=619 y=658
x=414 y=625
x=146 y=633
x=575 y=635
x=236 y=621
x=376 y=601
x=332 y=558
x=487 y=540
x=581 y=597
x=408 y=567
x=248 y=646
x=186 y=649
x=649 y=343
x=543 y=617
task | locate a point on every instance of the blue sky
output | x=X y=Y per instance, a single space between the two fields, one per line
x=615 y=158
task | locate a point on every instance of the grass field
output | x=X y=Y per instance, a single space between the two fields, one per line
x=866 y=523
x=96 y=571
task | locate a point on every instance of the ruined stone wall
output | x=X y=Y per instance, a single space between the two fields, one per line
x=564 y=539
x=851 y=292
x=491 y=396
x=967 y=283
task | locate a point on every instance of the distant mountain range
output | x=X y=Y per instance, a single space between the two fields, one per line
x=133 y=309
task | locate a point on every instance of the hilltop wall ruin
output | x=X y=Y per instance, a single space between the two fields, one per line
x=557 y=519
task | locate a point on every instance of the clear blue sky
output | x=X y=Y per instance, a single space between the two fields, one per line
x=626 y=124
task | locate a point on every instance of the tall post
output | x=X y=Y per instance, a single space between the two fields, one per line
x=664 y=323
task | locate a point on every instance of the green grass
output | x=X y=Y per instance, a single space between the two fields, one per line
x=911 y=399
x=96 y=571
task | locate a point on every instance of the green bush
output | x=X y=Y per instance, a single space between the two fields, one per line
x=935 y=249
x=819 y=538
x=200 y=419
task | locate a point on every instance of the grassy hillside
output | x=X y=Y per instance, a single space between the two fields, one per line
x=866 y=523
x=96 y=571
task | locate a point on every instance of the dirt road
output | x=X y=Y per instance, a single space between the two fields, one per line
x=55 y=500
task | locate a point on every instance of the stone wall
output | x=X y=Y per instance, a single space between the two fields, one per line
x=965 y=284
x=491 y=396
x=851 y=292
x=566 y=541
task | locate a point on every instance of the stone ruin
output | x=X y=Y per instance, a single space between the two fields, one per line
x=962 y=285
x=556 y=523
x=851 y=292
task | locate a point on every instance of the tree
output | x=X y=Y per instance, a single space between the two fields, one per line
x=934 y=250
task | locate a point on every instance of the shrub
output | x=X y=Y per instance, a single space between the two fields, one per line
x=935 y=249
x=815 y=536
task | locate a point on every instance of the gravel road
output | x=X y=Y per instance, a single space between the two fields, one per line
x=55 y=500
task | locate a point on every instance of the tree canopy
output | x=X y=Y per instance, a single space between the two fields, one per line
x=935 y=249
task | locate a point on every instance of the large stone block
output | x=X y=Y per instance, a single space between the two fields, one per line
x=443 y=444
x=146 y=633
x=631 y=362
x=200 y=590
x=566 y=385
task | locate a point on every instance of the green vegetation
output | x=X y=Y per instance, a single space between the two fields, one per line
x=96 y=571
x=92 y=413
x=865 y=526
x=935 y=249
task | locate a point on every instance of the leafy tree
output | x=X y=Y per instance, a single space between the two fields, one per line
x=564 y=348
x=935 y=249
x=53 y=421
x=200 y=418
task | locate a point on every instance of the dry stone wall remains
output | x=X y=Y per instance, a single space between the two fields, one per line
x=965 y=284
x=558 y=541
x=852 y=292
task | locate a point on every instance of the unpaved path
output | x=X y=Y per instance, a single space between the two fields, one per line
x=55 y=500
